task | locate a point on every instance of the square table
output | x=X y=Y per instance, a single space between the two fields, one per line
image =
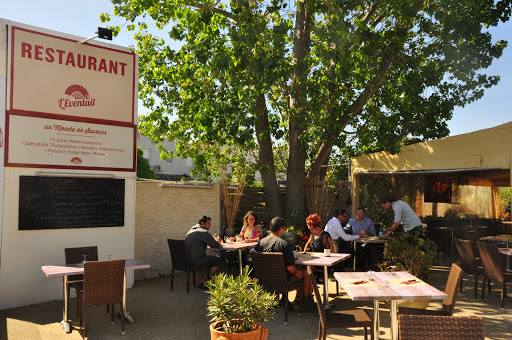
x=75 y=269
x=232 y=246
x=394 y=286
x=367 y=239
x=318 y=259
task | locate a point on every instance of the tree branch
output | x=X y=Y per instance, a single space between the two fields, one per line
x=216 y=10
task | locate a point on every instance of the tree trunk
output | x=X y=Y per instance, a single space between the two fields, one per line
x=266 y=158
x=296 y=188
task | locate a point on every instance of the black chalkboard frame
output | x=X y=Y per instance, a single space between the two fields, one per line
x=47 y=202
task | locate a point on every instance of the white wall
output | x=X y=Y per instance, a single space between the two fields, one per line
x=24 y=251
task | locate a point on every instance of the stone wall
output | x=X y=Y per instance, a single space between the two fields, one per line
x=168 y=210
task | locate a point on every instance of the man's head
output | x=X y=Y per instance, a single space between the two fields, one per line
x=205 y=222
x=386 y=202
x=341 y=215
x=278 y=226
x=360 y=212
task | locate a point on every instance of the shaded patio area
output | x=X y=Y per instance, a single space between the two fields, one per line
x=162 y=314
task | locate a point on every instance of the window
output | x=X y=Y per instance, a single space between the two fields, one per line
x=146 y=153
x=438 y=189
x=168 y=161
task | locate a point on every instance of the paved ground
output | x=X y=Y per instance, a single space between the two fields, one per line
x=162 y=314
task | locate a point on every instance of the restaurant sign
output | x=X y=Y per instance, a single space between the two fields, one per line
x=56 y=75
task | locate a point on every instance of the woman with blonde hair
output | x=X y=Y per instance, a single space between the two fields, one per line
x=251 y=231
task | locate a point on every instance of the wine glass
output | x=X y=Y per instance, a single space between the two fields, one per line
x=85 y=258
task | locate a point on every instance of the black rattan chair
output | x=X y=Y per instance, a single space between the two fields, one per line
x=179 y=258
x=76 y=255
x=270 y=271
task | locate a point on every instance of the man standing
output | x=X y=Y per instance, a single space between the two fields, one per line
x=197 y=240
x=274 y=243
x=361 y=223
x=335 y=229
x=403 y=215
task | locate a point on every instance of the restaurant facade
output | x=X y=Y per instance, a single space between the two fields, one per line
x=67 y=155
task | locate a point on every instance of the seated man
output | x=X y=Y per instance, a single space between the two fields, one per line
x=367 y=254
x=340 y=237
x=197 y=240
x=274 y=243
x=360 y=223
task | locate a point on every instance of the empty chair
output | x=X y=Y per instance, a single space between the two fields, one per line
x=179 y=258
x=330 y=318
x=469 y=261
x=493 y=268
x=103 y=284
x=77 y=255
x=432 y=327
x=449 y=303
x=270 y=271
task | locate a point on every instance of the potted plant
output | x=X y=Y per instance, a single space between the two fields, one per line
x=413 y=254
x=238 y=305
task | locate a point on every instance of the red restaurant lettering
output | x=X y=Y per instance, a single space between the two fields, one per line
x=50 y=55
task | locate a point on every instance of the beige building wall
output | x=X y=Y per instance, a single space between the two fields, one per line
x=168 y=210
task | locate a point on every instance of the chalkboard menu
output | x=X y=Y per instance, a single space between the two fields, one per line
x=70 y=202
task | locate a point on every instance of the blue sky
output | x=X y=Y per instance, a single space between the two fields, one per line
x=81 y=17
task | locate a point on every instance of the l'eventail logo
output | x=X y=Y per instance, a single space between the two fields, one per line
x=80 y=97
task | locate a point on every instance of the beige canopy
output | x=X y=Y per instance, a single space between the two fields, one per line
x=488 y=150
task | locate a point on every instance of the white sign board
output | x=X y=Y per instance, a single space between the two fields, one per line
x=56 y=75
x=43 y=142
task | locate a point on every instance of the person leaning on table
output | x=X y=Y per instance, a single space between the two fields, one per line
x=335 y=229
x=403 y=214
x=197 y=240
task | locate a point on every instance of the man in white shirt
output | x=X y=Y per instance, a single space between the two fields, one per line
x=335 y=229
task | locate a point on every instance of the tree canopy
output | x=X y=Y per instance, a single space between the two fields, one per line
x=324 y=79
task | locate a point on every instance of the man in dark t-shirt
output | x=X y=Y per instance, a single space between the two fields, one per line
x=274 y=243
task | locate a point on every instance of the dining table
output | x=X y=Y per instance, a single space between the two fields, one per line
x=320 y=260
x=237 y=246
x=65 y=270
x=381 y=286
x=366 y=240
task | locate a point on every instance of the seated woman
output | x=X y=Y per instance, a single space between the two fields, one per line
x=251 y=232
x=319 y=239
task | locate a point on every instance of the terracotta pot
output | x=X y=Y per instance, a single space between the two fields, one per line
x=258 y=334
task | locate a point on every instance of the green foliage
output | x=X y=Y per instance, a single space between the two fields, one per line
x=412 y=254
x=298 y=229
x=240 y=301
x=359 y=76
x=143 y=167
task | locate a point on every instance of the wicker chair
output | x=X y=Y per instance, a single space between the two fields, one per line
x=270 y=271
x=179 y=258
x=469 y=261
x=449 y=303
x=493 y=268
x=338 y=318
x=103 y=284
x=431 y=327
x=76 y=255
